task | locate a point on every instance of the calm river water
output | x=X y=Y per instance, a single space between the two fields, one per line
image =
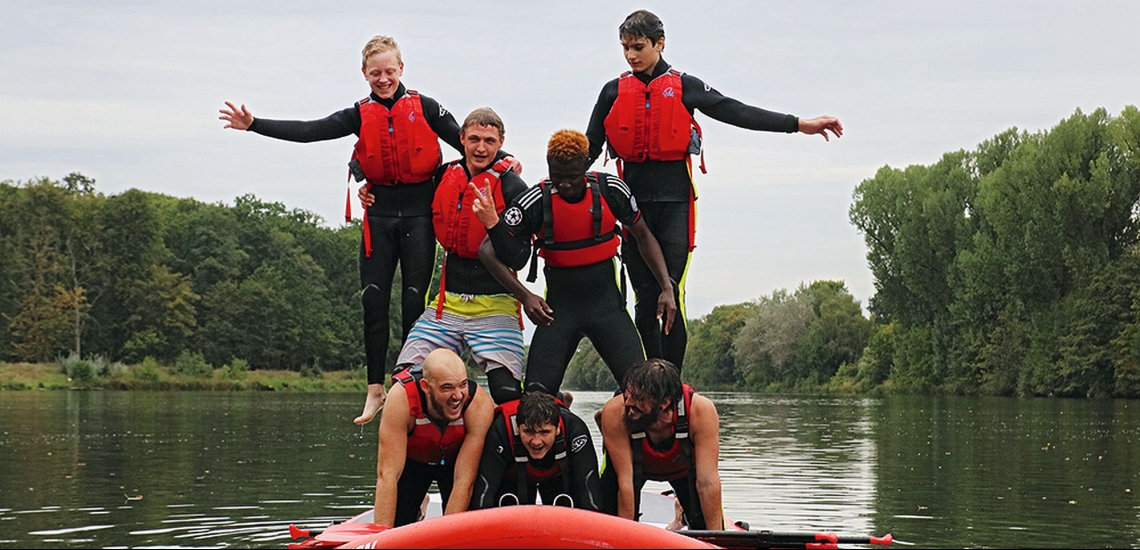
x=139 y=469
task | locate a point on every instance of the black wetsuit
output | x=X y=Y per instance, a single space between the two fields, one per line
x=684 y=489
x=664 y=190
x=399 y=220
x=498 y=459
x=586 y=300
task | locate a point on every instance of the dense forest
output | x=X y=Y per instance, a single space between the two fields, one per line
x=1012 y=269
x=139 y=275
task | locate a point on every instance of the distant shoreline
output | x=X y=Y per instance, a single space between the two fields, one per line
x=52 y=376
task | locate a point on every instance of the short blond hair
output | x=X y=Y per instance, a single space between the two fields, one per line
x=379 y=44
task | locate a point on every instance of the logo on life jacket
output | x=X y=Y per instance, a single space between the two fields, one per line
x=578 y=443
x=668 y=92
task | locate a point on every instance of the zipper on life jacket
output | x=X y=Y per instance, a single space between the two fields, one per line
x=644 y=154
x=395 y=149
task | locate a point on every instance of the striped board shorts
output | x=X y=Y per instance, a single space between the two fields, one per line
x=487 y=325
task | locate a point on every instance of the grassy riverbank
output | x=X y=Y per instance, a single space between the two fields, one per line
x=149 y=375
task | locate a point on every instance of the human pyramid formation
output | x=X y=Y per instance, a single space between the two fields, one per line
x=504 y=448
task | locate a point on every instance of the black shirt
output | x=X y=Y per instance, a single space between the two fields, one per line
x=669 y=181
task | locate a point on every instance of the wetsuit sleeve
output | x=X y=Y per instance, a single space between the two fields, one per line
x=596 y=130
x=513 y=187
x=336 y=125
x=511 y=236
x=705 y=98
x=620 y=200
x=442 y=123
x=494 y=462
x=583 y=464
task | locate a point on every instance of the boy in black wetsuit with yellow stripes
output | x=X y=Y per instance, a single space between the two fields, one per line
x=573 y=217
x=646 y=117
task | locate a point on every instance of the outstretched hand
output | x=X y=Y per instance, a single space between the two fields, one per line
x=484 y=205
x=238 y=119
x=821 y=125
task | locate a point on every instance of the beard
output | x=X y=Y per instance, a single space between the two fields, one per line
x=637 y=424
x=441 y=408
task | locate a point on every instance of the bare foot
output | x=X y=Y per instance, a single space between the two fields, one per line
x=372 y=404
x=678 y=522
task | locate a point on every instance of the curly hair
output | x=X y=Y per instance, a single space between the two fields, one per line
x=568 y=146
x=654 y=380
x=379 y=44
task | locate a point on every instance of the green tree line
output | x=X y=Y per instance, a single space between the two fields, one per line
x=138 y=274
x=799 y=341
x=1012 y=269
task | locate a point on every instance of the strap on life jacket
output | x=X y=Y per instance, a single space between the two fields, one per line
x=699 y=136
x=522 y=458
x=548 y=242
x=354 y=171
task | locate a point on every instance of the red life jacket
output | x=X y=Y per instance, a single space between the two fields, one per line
x=455 y=224
x=676 y=461
x=396 y=146
x=575 y=234
x=649 y=122
x=427 y=443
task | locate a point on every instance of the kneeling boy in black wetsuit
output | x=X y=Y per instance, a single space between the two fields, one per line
x=573 y=217
x=537 y=446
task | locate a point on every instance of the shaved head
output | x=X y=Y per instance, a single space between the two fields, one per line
x=443 y=363
x=445 y=384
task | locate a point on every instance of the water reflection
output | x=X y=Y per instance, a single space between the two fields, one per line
x=82 y=469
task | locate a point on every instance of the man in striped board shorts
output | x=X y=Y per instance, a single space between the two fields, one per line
x=472 y=311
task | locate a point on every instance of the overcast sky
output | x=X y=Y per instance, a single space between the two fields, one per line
x=128 y=93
